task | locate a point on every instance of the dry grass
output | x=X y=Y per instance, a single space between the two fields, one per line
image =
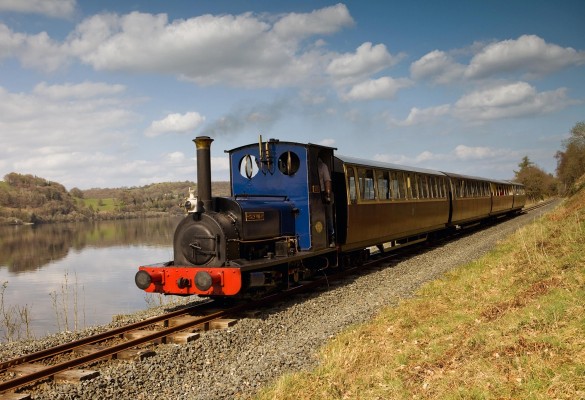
x=511 y=325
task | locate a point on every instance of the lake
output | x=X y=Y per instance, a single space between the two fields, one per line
x=73 y=275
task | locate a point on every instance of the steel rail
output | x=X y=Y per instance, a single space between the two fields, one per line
x=66 y=347
x=50 y=371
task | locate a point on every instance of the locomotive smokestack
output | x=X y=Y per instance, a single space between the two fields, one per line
x=203 y=145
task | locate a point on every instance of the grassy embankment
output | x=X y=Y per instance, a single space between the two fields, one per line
x=510 y=325
x=108 y=204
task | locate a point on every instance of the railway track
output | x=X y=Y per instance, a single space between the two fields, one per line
x=174 y=327
x=128 y=341
x=122 y=343
x=539 y=205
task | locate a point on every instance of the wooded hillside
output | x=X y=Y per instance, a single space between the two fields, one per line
x=31 y=199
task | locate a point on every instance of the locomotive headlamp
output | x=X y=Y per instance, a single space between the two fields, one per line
x=143 y=280
x=192 y=204
x=204 y=280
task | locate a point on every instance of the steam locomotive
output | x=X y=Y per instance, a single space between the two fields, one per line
x=279 y=226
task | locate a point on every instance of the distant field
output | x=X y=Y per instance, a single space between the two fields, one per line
x=108 y=204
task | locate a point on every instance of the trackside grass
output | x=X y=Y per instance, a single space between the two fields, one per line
x=510 y=325
x=108 y=204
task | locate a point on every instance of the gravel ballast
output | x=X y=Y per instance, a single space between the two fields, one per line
x=235 y=362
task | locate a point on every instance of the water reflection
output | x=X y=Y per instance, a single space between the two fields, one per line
x=30 y=247
x=75 y=275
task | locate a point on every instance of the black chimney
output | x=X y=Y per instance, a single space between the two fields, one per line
x=203 y=145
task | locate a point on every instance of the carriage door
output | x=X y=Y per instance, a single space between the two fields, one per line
x=322 y=214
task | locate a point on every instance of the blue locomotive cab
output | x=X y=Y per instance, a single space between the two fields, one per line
x=281 y=179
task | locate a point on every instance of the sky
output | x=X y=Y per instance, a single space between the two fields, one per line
x=111 y=93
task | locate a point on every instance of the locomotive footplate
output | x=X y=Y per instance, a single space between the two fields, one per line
x=180 y=280
x=267 y=262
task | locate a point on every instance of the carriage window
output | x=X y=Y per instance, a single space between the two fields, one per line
x=288 y=163
x=248 y=166
x=351 y=185
x=429 y=187
x=397 y=186
x=431 y=183
x=411 y=192
x=423 y=190
x=366 y=182
x=383 y=185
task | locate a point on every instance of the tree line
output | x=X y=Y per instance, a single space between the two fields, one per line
x=570 y=167
x=31 y=199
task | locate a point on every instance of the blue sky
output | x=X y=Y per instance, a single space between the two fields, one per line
x=111 y=93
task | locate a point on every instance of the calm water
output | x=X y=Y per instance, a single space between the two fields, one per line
x=78 y=274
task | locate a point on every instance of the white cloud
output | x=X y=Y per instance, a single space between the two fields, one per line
x=325 y=21
x=376 y=89
x=83 y=90
x=245 y=50
x=366 y=61
x=437 y=66
x=509 y=101
x=528 y=54
x=60 y=135
x=33 y=51
x=418 y=116
x=461 y=155
x=175 y=123
x=48 y=119
x=9 y=41
x=239 y=50
x=174 y=158
x=312 y=98
x=51 y=8
x=466 y=153
x=219 y=166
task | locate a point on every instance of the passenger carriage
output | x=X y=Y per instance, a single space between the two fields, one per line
x=380 y=202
